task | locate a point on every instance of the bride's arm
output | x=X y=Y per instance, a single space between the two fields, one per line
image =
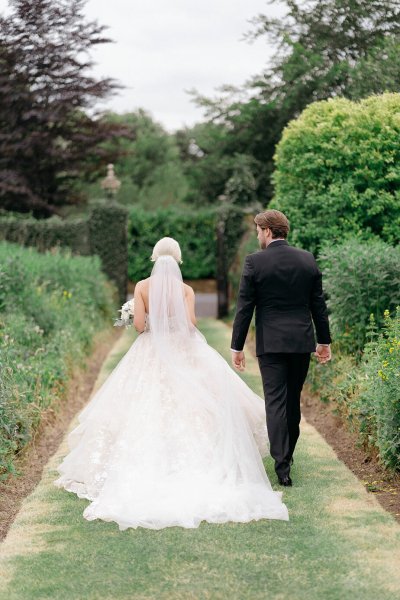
x=139 y=312
x=190 y=298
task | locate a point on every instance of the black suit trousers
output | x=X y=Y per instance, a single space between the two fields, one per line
x=283 y=375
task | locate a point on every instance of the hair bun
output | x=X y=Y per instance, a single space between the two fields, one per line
x=167 y=246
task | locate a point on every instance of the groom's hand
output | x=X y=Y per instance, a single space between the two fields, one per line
x=323 y=353
x=238 y=360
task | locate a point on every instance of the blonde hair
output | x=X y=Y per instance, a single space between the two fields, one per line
x=167 y=247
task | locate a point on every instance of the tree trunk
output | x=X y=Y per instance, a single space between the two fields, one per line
x=222 y=271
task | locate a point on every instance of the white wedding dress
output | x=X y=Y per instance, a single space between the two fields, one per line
x=173 y=436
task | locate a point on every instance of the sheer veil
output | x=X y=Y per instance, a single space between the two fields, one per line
x=173 y=436
x=168 y=312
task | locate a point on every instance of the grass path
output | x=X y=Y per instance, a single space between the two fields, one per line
x=339 y=543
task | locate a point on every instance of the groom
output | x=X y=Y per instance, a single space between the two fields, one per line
x=284 y=285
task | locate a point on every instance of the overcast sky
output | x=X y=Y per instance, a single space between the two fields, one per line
x=162 y=48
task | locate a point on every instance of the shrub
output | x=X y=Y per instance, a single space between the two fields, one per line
x=337 y=383
x=108 y=234
x=366 y=393
x=248 y=245
x=379 y=400
x=360 y=278
x=195 y=230
x=338 y=171
x=102 y=232
x=51 y=306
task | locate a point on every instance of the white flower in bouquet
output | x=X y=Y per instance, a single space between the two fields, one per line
x=127 y=312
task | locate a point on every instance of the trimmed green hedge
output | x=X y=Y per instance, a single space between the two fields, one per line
x=338 y=171
x=360 y=279
x=195 y=230
x=108 y=234
x=51 y=306
x=103 y=232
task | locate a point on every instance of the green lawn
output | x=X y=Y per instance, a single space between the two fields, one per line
x=338 y=544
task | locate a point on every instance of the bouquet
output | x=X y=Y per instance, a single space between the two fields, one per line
x=126 y=317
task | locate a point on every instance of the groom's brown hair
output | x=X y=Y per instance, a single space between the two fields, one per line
x=275 y=220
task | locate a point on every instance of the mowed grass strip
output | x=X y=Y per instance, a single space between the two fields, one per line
x=339 y=543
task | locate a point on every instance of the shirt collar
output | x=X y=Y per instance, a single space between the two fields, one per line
x=277 y=242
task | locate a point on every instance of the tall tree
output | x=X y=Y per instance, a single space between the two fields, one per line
x=47 y=136
x=149 y=165
x=324 y=48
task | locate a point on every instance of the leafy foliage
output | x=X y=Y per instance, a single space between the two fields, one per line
x=108 y=234
x=147 y=163
x=51 y=306
x=324 y=49
x=248 y=245
x=379 y=399
x=103 y=232
x=195 y=230
x=360 y=279
x=338 y=171
x=366 y=393
x=231 y=154
x=48 y=141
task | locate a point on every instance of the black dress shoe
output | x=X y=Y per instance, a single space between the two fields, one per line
x=286 y=481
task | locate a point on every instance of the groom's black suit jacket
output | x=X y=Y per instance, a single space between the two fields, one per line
x=284 y=285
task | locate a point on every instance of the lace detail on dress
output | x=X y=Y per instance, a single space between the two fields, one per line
x=171 y=443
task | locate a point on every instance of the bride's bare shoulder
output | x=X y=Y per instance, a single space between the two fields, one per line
x=143 y=282
x=142 y=285
x=189 y=291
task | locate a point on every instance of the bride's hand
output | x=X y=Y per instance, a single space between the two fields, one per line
x=239 y=360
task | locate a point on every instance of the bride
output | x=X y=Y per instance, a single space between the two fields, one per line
x=173 y=436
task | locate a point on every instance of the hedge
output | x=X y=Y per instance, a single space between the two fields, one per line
x=51 y=306
x=103 y=232
x=195 y=230
x=362 y=282
x=360 y=279
x=338 y=171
